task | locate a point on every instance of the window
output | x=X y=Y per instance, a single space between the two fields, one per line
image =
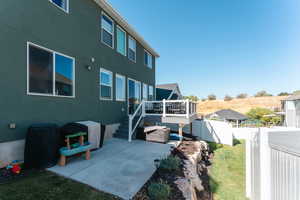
x=107 y=30
x=151 y=93
x=138 y=90
x=148 y=59
x=131 y=49
x=145 y=91
x=50 y=73
x=120 y=88
x=105 y=84
x=62 y=4
x=121 y=41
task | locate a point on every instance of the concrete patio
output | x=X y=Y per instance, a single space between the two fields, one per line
x=120 y=168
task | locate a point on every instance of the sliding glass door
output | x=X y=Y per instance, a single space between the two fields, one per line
x=134 y=95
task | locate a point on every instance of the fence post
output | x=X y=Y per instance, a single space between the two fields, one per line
x=129 y=128
x=187 y=108
x=164 y=108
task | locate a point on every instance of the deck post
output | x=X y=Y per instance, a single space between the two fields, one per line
x=187 y=108
x=164 y=108
x=129 y=128
x=191 y=128
x=180 y=129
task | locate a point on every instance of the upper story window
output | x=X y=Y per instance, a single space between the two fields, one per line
x=131 y=49
x=148 y=59
x=121 y=41
x=120 y=88
x=62 y=4
x=49 y=73
x=105 y=84
x=145 y=91
x=151 y=93
x=107 y=26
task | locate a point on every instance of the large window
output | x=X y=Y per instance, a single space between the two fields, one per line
x=105 y=84
x=107 y=26
x=62 y=4
x=120 y=88
x=151 y=93
x=145 y=91
x=131 y=49
x=121 y=41
x=50 y=73
x=148 y=59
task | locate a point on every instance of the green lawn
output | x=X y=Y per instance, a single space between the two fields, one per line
x=48 y=186
x=227 y=175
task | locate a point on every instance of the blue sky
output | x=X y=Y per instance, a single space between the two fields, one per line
x=220 y=46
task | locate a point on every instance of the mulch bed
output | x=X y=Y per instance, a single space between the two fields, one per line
x=187 y=147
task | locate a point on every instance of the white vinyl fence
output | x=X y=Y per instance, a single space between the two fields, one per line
x=212 y=131
x=273 y=164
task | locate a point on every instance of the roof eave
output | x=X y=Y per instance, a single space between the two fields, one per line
x=120 y=20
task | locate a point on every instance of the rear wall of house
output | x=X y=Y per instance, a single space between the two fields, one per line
x=76 y=34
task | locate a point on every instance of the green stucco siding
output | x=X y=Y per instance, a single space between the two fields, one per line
x=76 y=34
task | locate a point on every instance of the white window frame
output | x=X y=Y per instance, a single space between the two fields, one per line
x=102 y=70
x=53 y=84
x=120 y=28
x=113 y=30
x=68 y=6
x=131 y=38
x=124 y=87
x=149 y=56
x=147 y=94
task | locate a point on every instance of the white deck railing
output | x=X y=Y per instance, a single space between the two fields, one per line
x=165 y=108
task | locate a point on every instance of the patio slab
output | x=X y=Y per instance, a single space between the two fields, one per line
x=120 y=168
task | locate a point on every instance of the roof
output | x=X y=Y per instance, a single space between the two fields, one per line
x=292 y=97
x=162 y=93
x=121 y=21
x=228 y=114
x=170 y=86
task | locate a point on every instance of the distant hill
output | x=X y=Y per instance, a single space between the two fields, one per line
x=240 y=105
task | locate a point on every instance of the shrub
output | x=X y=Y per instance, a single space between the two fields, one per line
x=159 y=191
x=236 y=141
x=242 y=96
x=262 y=93
x=171 y=163
x=283 y=94
x=211 y=97
x=264 y=115
x=227 y=98
x=192 y=98
x=214 y=146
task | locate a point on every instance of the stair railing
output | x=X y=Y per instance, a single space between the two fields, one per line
x=133 y=125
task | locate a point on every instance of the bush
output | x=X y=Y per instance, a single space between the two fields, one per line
x=159 y=191
x=242 y=96
x=227 y=98
x=283 y=94
x=262 y=93
x=192 y=98
x=264 y=115
x=211 y=97
x=171 y=163
x=214 y=146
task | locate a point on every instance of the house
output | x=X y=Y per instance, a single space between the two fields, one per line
x=168 y=92
x=66 y=61
x=228 y=115
x=291 y=111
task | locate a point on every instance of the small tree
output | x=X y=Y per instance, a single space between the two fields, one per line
x=264 y=115
x=191 y=97
x=211 y=97
x=283 y=94
x=227 y=98
x=262 y=93
x=296 y=92
x=242 y=96
x=203 y=99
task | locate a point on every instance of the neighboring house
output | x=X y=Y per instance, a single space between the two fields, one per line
x=65 y=61
x=228 y=115
x=168 y=92
x=291 y=111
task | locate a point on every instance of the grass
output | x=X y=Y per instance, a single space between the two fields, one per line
x=48 y=186
x=227 y=175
